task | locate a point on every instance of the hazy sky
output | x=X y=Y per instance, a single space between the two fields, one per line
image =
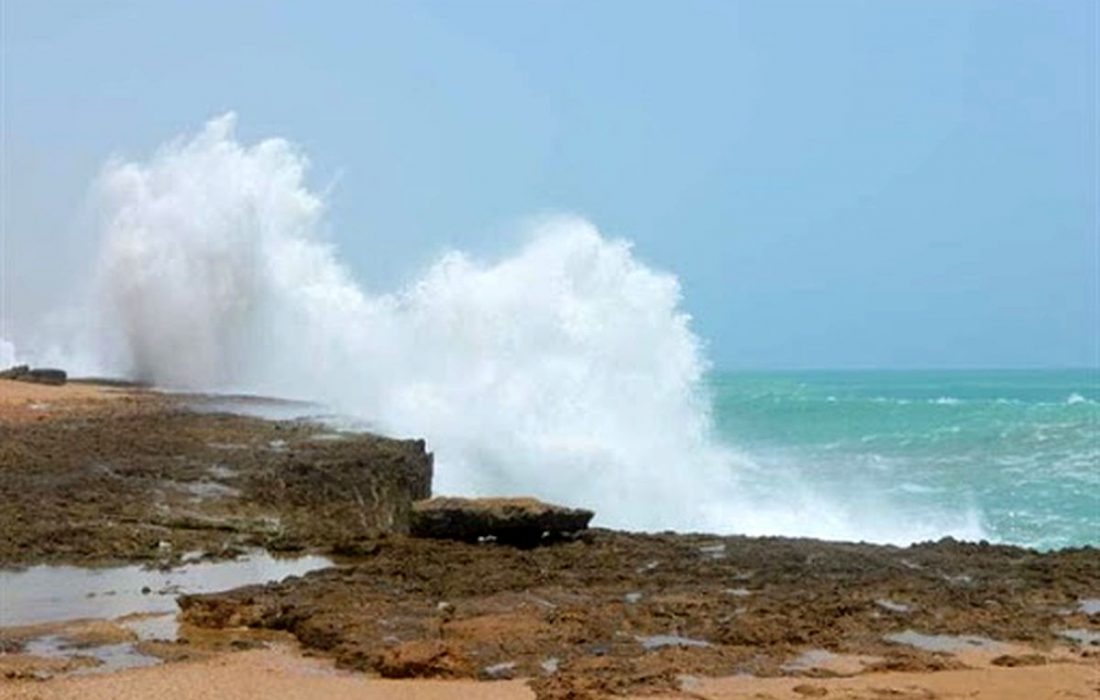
x=837 y=184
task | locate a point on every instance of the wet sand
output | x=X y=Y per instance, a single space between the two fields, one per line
x=270 y=674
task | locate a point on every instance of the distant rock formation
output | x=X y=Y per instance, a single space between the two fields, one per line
x=16 y=372
x=23 y=373
x=518 y=521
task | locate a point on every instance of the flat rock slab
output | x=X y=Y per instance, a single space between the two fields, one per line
x=144 y=477
x=525 y=521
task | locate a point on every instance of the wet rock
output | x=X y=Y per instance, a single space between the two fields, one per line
x=566 y=602
x=1081 y=636
x=520 y=521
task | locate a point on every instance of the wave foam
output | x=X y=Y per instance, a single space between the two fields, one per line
x=567 y=371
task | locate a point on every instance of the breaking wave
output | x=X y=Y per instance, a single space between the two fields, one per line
x=567 y=370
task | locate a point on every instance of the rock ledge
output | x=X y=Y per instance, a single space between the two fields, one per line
x=519 y=521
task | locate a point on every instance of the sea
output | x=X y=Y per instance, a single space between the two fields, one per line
x=1016 y=452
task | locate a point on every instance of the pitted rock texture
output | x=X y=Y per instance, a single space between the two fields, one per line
x=521 y=521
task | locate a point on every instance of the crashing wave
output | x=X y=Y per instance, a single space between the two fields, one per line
x=567 y=370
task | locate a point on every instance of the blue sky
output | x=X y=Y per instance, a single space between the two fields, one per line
x=836 y=184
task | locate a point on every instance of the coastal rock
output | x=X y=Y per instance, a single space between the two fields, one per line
x=56 y=377
x=187 y=480
x=343 y=491
x=422 y=659
x=17 y=372
x=23 y=373
x=521 y=521
x=557 y=615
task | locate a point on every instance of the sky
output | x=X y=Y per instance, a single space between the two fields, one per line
x=839 y=184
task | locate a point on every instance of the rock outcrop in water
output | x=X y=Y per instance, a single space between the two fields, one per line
x=23 y=373
x=520 y=521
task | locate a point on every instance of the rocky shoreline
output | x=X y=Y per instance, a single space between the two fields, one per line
x=97 y=476
x=149 y=477
x=616 y=613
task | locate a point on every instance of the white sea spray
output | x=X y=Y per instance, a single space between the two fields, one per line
x=567 y=370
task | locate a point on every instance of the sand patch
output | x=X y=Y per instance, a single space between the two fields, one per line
x=1036 y=682
x=269 y=673
x=281 y=672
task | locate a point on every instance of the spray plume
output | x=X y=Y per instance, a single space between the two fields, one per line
x=567 y=370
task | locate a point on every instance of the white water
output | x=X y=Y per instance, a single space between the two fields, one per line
x=567 y=370
x=7 y=354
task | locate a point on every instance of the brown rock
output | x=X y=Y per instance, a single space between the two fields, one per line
x=521 y=521
x=421 y=659
x=1014 y=660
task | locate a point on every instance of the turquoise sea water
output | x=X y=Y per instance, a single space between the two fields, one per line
x=1012 y=455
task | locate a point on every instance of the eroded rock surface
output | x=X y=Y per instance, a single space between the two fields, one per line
x=143 y=477
x=715 y=606
x=523 y=521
